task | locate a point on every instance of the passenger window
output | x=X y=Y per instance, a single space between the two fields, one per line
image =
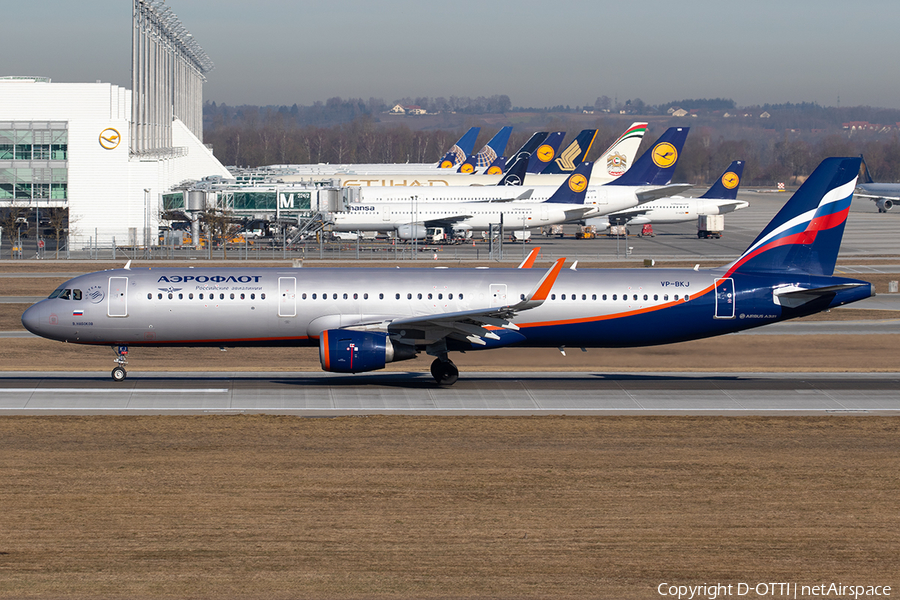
x=232 y=296
x=201 y=296
x=604 y=296
x=366 y=296
x=665 y=298
x=584 y=297
x=553 y=296
x=419 y=296
x=159 y=296
x=635 y=296
x=430 y=296
x=614 y=297
x=593 y=296
x=253 y=296
x=190 y=296
x=460 y=296
x=149 y=296
x=449 y=296
x=563 y=297
x=304 y=296
x=334 y=296
x=314 y=296
x=645 y=297
x=676 y=296
x=686 y=297
x=76 y=294
x=440 y=296
x=345 y=296
x=521 y=296
x=261 y=296
x=655 y=297
x=181 y=296
x=355 y=296
x=381 y=296
x=397 y=296
x=221 y=296
x=409 y=296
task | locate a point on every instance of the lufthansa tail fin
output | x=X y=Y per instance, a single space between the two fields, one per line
x=867 y=177
x=656 y=165
x=460 y=150
x=573 y=154
x=805 y=235
x=574 y=189
x=546 y=152
x=726 y=186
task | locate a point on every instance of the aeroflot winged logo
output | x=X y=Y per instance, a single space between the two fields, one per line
x=577 y=183
x=664 y=155
x=730 y=180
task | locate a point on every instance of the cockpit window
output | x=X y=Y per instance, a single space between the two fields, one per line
x=65 y=294
x=55 y=293
x=76 y=294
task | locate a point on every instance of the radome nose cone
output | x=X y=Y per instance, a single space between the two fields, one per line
x=31 y=319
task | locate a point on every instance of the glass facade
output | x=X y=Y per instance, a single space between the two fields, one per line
x=33 y=157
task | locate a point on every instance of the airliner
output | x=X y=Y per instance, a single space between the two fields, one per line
x=410 y=220
x=885 y=195
x=362 y=319
x=719 y=199
x=616 y=158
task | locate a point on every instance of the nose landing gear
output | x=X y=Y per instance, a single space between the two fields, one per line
x=444 y=371
x=118 y=372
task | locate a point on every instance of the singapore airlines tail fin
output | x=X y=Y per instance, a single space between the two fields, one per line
x=726 y=186
x=573 y=154
x=460 y=150
x=656 y=165
x=805 y=235
x=546 y=152
x=574 y=189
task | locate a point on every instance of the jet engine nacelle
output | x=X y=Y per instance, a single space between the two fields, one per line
x=349 y=351
x=884 y=204
x=411 y=232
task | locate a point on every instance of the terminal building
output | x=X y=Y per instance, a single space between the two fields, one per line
x=106 y=153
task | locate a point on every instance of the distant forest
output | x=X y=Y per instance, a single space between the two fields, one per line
x=785 y=145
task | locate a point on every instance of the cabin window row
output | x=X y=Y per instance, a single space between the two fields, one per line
x=209 y=296
x=604 y=297
x=365 y=296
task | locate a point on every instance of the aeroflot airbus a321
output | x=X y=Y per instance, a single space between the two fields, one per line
x=362 y=319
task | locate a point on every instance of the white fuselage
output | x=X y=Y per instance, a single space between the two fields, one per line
x=675 y=210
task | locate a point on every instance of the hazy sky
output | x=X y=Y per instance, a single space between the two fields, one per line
x=539 y=53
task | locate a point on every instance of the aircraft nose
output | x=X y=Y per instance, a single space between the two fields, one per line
x=31 y=319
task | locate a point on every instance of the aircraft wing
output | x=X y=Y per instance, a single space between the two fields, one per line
x=663 y=191
x=470 y=325
x=877 y=196
x=447 y=221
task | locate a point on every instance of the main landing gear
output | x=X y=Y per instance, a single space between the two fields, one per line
x=118 y=372
x=444 y=371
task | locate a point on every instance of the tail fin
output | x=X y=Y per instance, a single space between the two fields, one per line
x=621 y=154
x=547 y=152
x=805 y=235
x=574 y=189
x=497 y=167
x=867 y=177
x=656 y=165
x=460 y=150
x=468 y=166
x=726 y=187
x=494 y=148
x=515 y=175
x=573 y=154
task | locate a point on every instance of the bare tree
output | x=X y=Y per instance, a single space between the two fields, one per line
x=221 y=226
x=11 y=221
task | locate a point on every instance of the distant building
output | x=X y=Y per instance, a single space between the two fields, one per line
x=765 y=115
x=680 y=113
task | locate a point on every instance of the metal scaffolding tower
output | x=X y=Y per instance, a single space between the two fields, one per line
x=167 y=73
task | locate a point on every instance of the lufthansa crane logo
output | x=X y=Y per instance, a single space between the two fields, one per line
x=664 y=155
x=110 y=138
x=446 y=164
x=467 y=168
x=495 y=170
x=545 y=153
x=577 y=183
x=730 y=180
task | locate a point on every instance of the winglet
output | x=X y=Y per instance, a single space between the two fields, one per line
x=128 y=266
x=532 y=256
x=542 y=289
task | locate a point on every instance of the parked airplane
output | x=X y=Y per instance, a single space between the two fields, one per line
x=617 y=158
x=487 y=155
x=647 y=180
x=411 y=219
x=885 y=195
x=361 y=319
x=719 y=199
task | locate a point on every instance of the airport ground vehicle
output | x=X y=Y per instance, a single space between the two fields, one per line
x=710 y=226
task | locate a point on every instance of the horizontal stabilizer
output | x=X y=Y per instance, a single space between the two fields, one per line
x=793 y=296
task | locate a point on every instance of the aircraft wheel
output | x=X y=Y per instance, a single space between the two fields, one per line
x=118 y=374
x=444 y=372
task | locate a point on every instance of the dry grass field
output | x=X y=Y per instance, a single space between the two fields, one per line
x=416 y=507
x=445 y=507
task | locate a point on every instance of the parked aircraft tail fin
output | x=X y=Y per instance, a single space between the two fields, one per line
x=726 y=186
x=546 y=152
x=656 y=165
x=497 y=167
x=621 y=154
x=460 y=150
x=574 y=189
x=573 y=154
x=805 y=235
x=867 y=177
